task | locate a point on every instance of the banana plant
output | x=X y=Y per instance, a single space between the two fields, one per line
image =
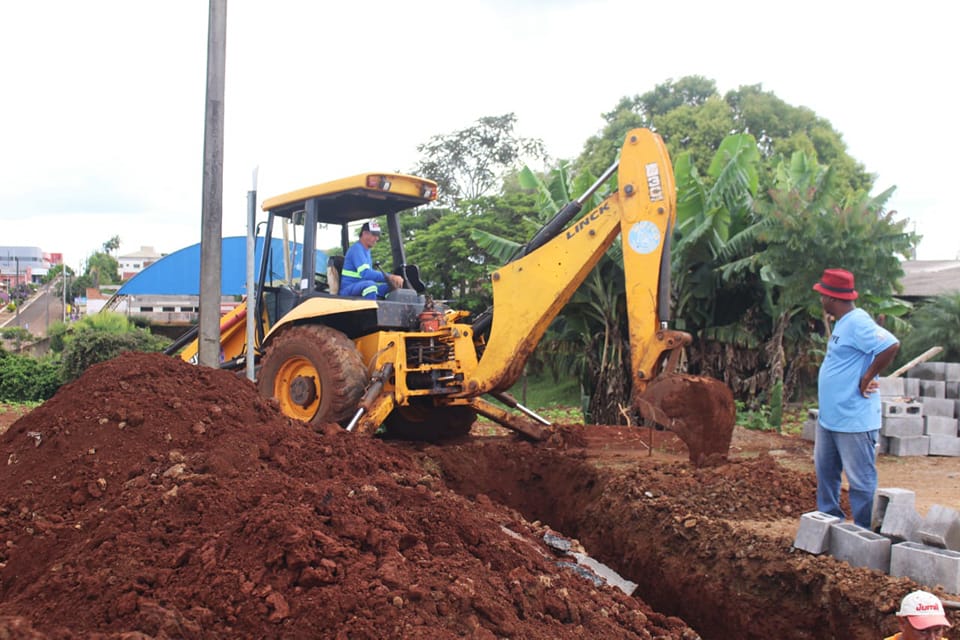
x=716 y=225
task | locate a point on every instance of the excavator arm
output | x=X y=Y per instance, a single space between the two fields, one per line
x=529 y=292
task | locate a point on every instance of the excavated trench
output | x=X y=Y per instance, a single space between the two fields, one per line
x=702 y=544
x=154 y=497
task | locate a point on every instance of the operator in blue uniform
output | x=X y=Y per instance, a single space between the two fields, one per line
x=358 y=277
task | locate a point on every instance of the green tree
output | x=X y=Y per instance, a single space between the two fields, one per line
x=855 y=232
x=111 y=245
x=691 y=116
x=935 y=323
x=444 y=243
x=56 y=272
x=715 y=221
x=639 y=111
x=102 y=268
x=472 y=162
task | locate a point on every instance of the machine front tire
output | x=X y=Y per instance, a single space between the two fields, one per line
x=315 y=373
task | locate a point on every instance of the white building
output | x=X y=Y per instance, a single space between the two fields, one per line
x=133 y=263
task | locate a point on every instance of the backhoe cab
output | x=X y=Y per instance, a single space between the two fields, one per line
x=420 y=369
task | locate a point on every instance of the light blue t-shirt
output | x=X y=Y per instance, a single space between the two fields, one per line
x=855 y=342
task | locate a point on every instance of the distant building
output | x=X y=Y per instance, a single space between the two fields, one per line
x=131 y=264
x=19 y=265
x=923 y=279
x=167 y=292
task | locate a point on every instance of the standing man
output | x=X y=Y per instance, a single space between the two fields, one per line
x=358 y=277
x=849 y=424
x=921 y=616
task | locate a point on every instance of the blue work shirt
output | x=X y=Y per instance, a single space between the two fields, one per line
x=855 y=342
x=357 y=266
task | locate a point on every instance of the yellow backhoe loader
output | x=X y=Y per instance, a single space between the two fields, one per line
x=418 y=368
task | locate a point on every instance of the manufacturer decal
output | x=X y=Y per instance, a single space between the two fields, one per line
x=644 y=237
x=586 y=220
x=654 y=186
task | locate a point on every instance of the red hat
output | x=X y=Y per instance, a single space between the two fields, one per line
x=836 y=283
x=923 y=610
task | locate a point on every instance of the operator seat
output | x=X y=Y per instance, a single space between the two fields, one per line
x=334 y=267
x=411 y=275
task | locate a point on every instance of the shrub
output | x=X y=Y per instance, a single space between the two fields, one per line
x=88 y=346
x=26 y=379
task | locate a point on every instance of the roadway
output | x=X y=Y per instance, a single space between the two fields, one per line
x=36 y=315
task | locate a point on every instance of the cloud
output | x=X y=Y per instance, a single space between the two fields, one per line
x=104 y=101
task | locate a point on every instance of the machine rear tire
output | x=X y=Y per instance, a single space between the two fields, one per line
x=429 y=424
x=315 y=373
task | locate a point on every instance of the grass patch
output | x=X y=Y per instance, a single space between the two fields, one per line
x=793 y=417
x=557 y=401
x=543 y=391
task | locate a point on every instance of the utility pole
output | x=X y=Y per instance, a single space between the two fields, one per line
x=212 y=213
x=251 y=298
x=63 y=275
x=17 y=259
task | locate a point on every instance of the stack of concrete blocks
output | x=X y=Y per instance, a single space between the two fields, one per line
x=899 y=542
x=921 y=411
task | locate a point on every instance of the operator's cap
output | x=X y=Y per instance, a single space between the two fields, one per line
x=372 y=226
x=923 y=610
x=836 y=283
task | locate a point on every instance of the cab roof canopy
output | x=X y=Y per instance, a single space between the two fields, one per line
x=365 y=195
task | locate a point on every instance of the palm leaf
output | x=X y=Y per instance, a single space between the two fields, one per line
x=498 y=247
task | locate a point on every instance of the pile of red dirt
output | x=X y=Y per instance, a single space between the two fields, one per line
x=154 y=499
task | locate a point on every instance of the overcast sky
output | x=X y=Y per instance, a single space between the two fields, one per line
x=101 y=115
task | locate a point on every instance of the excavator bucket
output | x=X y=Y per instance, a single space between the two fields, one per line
x=699 y=409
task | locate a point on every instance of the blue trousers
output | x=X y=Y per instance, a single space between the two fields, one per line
x=855 y=454
x=365 y=288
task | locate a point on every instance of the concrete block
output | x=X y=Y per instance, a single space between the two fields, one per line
x=902 y=426
x=941 y=528
x=928 y=371
x=944 y=446
x=901 y=522
x=939 y=426
x=886 y=496
x=902 y=446
x=928 y=566
x=813 y=536
x=951 y=371
x=860 y=547
x=891 y=387
x=952 y=389
x=809 y=430
x=933 y=389
x=911 y=387
x=938 y=406
x=883 y=445
x=901 y=408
